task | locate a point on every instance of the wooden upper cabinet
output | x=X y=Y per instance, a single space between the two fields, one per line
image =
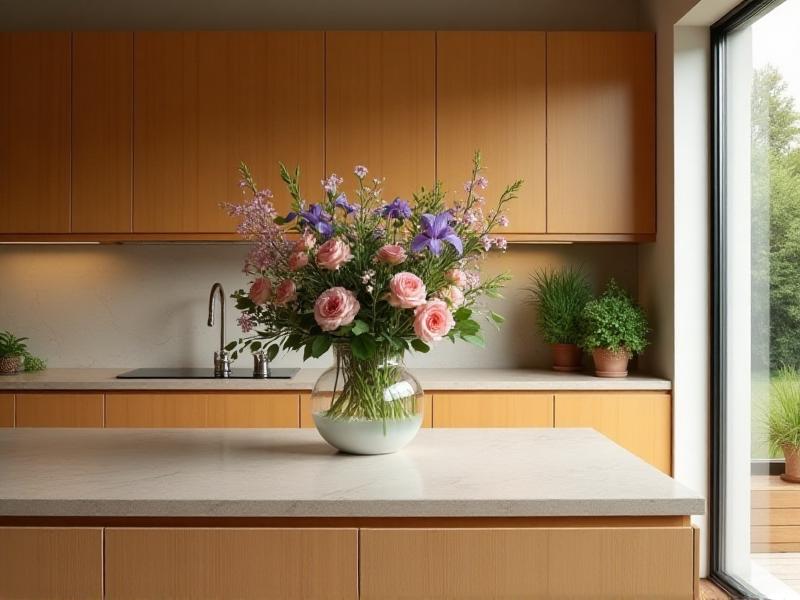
x=34 y=132
x=601 y=133
x=380 y=107
x=102 y=121
x=491 y=97
x=204 y=102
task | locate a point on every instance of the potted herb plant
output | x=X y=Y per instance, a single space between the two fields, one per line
x=614 y=330
x=14 y=355
x=560 y=297
x=783 y=420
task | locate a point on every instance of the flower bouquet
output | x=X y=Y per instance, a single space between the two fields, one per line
x=373 y=280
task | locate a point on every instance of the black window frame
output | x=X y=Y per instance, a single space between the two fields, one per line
x=741 y=16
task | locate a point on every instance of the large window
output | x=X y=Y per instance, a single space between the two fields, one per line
x=756 y=504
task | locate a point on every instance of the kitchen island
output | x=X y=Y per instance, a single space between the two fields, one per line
x=487 y=513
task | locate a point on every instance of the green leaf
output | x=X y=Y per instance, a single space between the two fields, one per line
x=496 y=317
x=255 y=346
x=363 y=347
x=492 y=293
x=272 y=352
x=462 y=314
x=231 y=346
x=359 y=327
x=320 y=345
x=307 y=351
x=419 y=345
x=469 y=326
x=474 y=339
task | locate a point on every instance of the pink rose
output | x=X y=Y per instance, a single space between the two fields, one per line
x=286 y=292
x=406 y=290
x=260 y=290
x=335 y=307
x=333 y=254
x=298 y=260
x=452 y=295
x=306 y=242
x=457 y=277
x=391 y=254
x=432 y=321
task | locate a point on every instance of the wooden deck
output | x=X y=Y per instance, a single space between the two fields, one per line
x=775 y=515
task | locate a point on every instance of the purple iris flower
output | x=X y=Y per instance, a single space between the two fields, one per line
x=397 y=209
x=318 y=219
x=341 y=202
x=435 y=230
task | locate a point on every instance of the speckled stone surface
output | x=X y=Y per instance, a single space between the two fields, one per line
x=293 y=473
x=431 y=380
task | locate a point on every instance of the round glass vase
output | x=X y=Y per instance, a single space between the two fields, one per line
x=367 y=406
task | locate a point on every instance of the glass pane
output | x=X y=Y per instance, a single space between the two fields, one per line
x=762 y=307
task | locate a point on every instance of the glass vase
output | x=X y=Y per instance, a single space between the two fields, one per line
x=367 y=406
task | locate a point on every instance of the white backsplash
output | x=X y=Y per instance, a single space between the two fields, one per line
x=146 y=305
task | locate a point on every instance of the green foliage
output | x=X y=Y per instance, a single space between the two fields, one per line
x=10 y=345
x=560 y=297
x=614 y=321
x=783 y=419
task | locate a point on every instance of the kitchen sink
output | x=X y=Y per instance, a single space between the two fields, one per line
x=203 y=373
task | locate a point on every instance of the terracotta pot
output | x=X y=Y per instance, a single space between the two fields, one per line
x=792 y=472
x=566 y=357
x=10 y=365
x=610 y=364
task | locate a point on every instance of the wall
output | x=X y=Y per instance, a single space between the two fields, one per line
x=146 y=305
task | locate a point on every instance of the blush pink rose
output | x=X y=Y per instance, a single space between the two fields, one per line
x=260 y=291
x=286 y=292
x=306 y=242
x=391 y=254
x=335 y=307
x=298 y=260
x=333 y=254
x=457 y=277
x=433 y=321
x=452 y=295
x=406 y=290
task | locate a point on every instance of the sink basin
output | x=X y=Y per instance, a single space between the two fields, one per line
x=202 y=373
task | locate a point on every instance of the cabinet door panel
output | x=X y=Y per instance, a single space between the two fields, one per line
x=601 y=132
x=51 y=563
x=491 y=97
x=194 y=409
x=59 y=410
x=204 y=102
x=279 y=564
x=380 y=107
x=6 y=410
x=102 y=118
x=492 y=409
x=34 y=132
x=639 y=422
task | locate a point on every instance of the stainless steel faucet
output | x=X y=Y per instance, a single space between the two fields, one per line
x=222 y=361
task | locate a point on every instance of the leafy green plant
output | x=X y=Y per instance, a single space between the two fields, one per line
x=10 y=345
x=783 y=418
x=560 y=297
x=614 y=322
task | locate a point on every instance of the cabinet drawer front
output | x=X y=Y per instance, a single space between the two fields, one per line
x=202 y=410
x=51 y=563
x=276 y=564
x=639 y=422
x=492 y=409
x=59 y=410
x=527 y=563
x=6 y=410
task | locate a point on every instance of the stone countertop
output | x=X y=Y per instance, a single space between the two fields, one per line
x=431 y=380
x=293 y=473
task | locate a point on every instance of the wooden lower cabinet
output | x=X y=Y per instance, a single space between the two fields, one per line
x=193 y=409
x=51 y=563
x=598 y=562
x=220 y=564
x=492 y=409
x=59 y=409
x=641 y=422
x=306 y=420
x=6 y=410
